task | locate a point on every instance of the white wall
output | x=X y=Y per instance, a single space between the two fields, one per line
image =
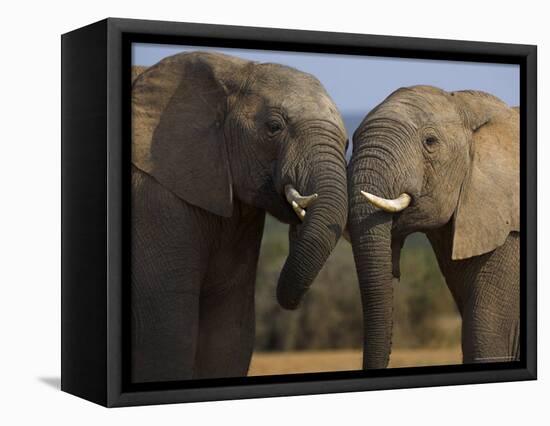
x=30 y=199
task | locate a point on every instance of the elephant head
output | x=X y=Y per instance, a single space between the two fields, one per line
x=422 y=159
x=216 y=129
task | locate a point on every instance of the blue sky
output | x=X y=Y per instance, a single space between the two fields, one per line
x=358 y=83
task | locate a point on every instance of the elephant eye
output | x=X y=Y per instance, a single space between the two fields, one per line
x=274 y=126
x=430 y=142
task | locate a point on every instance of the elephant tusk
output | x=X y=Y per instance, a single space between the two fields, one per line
x=298 y=210
x=392 y=206
x=301 y=200
x=298 y=202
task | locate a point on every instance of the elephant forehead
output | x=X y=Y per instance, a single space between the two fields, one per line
x=309 y=107
x=421 y=102
x=300 y=95
x=320 y=109
x=415 y=111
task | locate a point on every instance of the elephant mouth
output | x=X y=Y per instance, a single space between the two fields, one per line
x=284 y=211
x=286 y=214
x=276 y=204
x=290 y=206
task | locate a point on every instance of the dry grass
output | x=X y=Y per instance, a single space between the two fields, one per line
x=269 y=363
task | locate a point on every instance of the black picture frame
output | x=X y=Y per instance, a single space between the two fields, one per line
x=95 y=207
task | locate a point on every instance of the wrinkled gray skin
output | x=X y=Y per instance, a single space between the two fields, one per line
x=457 y=155
x=215 y=141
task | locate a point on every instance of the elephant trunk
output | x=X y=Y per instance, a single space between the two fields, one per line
x=372 y=250
x=312 y=242
x=379 y=169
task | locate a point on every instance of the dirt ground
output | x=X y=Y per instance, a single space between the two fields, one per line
x=268 y=363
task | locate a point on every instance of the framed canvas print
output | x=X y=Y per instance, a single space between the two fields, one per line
x=251 y=212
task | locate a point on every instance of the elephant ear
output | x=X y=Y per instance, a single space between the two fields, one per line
x=136 y=72
x=488 y=205
x=178 y=110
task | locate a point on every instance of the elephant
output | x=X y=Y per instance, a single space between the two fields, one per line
x=445 y=164
x=218 y=141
